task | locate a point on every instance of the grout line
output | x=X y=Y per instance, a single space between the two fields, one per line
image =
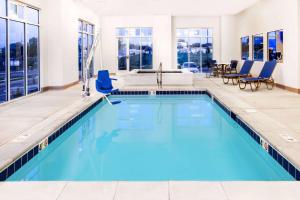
x=169 y=191
x=224 y=190
x=116 y=189
x=61 y=192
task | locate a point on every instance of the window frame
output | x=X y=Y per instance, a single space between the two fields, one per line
x=85 y=31
x=241 y=40
x=127 y=36
x=8 y=20
x=188 y=37
x=253 y=47
x=268 y=43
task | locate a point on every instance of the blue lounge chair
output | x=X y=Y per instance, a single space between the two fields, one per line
x=264 y=77
x=245 y=72
x=104 y=85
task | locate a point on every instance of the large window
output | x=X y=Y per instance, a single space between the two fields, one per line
x=258 y=47
x=275 y=46
x=135 y=49
x=33 y=79
x=20 y=75
x=194 y=47
x=85 y=43
x=245 y=48
x=3 y=63
x=17 y=59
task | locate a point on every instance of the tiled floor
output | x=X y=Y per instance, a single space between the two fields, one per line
x=150 y=191
x=275 y=114
x=25 y=122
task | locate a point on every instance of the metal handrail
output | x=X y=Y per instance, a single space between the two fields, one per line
x=86 y=69
x=159 y=76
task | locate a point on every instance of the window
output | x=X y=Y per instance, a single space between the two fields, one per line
x=16 y=10
x=258 y=47
x=32 y=15
x=134 y=48
x=20 y=74
x=17 y=60
x=245 y=48
x=3 y=8
x=275 y=46
x=33 y=64
x=194 y=47
x=85 y=43
x=3 y=63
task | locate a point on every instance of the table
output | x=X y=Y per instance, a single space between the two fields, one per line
x=221 y=68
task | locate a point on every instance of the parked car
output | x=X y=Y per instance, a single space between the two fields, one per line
x=191 y=66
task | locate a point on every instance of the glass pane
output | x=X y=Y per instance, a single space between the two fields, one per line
x=182 y=32
x=203 y=32
x=17 y=69
x=146 y=32
x=84 y=27
x=121 y=32
x=85 y=49
x=122 y=47
x=90 y=29
x=90 y=44
x=258 y=48
x=134 y=32
x=3 y=66
x=21 y=12
x=3 y=8
x=195 y=54
x=206 y=51
x=279 y=45
x=210 y=32
x=245 y=48
x=13 y=10
x=194 y=32
x=80 y=55
x=147 y=53
x=134 y=53
x=32 y=15
x=33 y=66
x=182 y=51
x=272 y=46
x=80 y=24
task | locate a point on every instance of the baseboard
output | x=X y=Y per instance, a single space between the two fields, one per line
x=44 y=89
x=290 y=89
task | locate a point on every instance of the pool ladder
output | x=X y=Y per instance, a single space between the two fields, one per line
x=159 y=76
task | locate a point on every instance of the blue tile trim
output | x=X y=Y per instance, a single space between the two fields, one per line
x=221 y=105
x=123 y=92
x=21 y=161
x=182 y=92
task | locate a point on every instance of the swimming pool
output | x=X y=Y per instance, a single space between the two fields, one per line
x=154 y=138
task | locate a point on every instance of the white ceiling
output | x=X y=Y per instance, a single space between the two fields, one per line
x=169 y=7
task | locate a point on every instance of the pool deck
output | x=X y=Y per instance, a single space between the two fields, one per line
x=274 y=114
x=150 y=191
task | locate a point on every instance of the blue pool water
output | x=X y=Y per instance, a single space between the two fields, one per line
x=154 y=138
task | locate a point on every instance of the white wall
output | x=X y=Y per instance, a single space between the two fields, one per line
x=270 y=15
x=59 y=20
x=161 y=25
x=59 y=39
x=197 y=22
x=230 y=46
